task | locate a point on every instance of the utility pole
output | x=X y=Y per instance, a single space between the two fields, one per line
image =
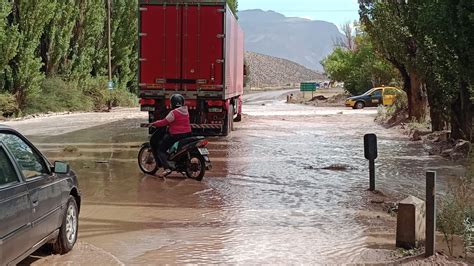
x=109 y=44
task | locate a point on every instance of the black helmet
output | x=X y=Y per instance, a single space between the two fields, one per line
x=177 y=100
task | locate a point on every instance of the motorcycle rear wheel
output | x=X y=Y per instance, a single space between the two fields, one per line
x=196 y=167
x=146 y=160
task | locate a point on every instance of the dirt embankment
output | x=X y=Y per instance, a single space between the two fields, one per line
x=435 y=143
x=267 y=71
x=326 y=97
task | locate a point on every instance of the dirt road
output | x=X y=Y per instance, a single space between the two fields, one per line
x=267 y=200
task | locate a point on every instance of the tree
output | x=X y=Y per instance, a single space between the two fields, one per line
x=88 y=39
x=124 y=36
x=432 y=42
x=386 y=24
x=9 y=40
x=233 y=4
x=30 y=17
x=360 y=69
x=348 y=41
x=57 y=38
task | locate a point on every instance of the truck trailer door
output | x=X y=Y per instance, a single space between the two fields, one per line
x=203 y=42
x=160 y=46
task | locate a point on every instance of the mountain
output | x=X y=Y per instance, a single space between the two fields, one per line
x=266 y=70
x=301 y=40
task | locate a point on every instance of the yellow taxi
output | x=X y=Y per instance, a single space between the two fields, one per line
x=375 y=97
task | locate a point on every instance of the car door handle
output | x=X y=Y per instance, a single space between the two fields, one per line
x=35 y=203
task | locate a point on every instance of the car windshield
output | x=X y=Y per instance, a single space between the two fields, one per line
x=368 y=92
x=30 y=162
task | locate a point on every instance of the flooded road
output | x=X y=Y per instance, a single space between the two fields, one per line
x=265 y=201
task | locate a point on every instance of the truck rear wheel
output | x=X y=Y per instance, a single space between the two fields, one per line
x=229 y=121
x=238 y=118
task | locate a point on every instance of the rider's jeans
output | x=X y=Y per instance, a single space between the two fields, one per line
x=167 y=142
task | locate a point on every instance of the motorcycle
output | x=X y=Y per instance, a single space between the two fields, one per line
x=188 y=156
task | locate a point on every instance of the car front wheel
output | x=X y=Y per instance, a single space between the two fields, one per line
x=359 y=105
x=68 y=232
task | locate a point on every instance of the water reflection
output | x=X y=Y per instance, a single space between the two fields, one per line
x=262 y=202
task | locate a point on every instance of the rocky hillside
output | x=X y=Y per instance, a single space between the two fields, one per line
x=272 y=71
x=300 y=40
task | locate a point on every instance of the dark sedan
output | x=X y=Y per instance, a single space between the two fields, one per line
x=39 y=201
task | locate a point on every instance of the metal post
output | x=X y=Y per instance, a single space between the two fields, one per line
x=430 y=213
x=109 y=45
x=109 y=41
x=370 y=153
x=372 y=175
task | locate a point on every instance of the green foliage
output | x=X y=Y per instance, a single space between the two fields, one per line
x=409 y=252
x=66 y=43
x=360 y=69
x=394 y=112
x=122 y=97
x=31 y=21
x=9 y=40
x=431 y=40
x=124 y=50
x=96 y=90
x=57 y=37
x=456 y=211
x=57 y=95
x=54 y=54
x=468 y=234
x=88 y=39
x=233 y=4
x=8 y=106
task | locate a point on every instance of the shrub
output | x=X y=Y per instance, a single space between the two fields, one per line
x=398 y=108
x=400 y=104
x=96 y=90
x=8 y=105
x=57 y=95
x=456 y=211
x=121 y=97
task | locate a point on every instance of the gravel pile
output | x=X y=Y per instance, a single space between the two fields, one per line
x=272 y=71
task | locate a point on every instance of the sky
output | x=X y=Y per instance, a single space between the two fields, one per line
x=335 y=11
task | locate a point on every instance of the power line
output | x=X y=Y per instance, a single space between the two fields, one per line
x=313 y=11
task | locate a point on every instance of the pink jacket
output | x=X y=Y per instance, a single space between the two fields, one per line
x=177 y=120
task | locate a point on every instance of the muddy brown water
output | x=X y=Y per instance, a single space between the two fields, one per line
x=260 y=204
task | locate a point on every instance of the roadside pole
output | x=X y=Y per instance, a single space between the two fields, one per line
x=430 y=213
x=370 y=153
x=109 y=45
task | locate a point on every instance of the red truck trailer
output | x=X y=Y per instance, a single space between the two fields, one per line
x=195 y=48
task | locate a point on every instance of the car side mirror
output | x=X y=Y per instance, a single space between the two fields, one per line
x=61 y=167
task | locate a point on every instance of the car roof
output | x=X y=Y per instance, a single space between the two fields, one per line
x=2 y=126
x=386 y=88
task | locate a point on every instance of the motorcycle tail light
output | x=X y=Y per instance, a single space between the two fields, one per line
x=203 y=143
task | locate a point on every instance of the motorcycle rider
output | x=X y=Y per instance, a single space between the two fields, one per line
x=179 y=128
